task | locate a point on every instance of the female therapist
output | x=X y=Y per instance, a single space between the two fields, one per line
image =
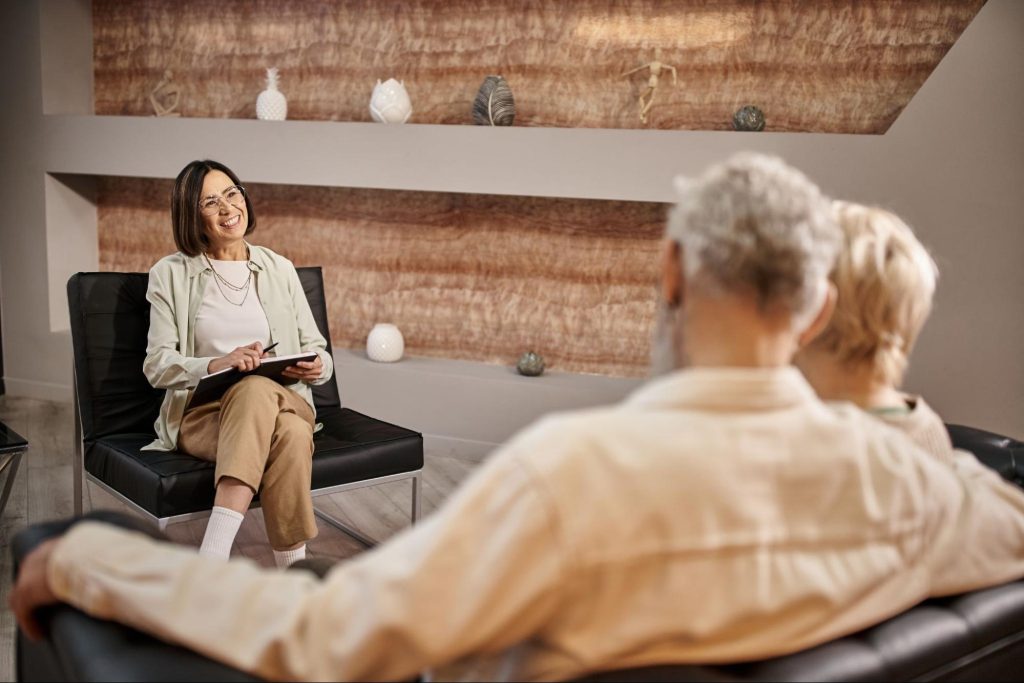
x=216 y=304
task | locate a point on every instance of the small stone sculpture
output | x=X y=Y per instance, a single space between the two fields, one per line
x=494 y=104
x=530 y=364
x=748 y=118
x=647 y=96
x=164 y=97
x=390 y=102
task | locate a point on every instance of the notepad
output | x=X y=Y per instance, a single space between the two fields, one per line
x=212 y=386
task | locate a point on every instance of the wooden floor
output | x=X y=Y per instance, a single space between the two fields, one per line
x=42 y=491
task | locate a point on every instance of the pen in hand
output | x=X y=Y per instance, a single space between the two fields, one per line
x=269 y=348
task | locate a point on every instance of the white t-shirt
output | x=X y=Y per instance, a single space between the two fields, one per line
x=221 y=324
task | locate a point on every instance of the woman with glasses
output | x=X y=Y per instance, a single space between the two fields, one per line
x=217 y=304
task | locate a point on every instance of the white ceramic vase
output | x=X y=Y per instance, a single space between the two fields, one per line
x=272 y=105
x=390 y=102
x=385 y=343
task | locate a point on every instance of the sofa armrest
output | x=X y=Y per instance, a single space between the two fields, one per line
x=81 y=648
x=1003 y=454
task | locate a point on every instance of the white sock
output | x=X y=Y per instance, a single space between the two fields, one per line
x=283 y=558
x=220 y=532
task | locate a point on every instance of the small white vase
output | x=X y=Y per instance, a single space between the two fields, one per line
x=272 y=105
x=389 y=102
x=385 y=343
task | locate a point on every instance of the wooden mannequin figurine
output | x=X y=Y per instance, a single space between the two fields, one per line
x=164 y=97
x=647 y=96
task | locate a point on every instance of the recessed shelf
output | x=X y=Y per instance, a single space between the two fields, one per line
x=470 y=406
x=583 y=163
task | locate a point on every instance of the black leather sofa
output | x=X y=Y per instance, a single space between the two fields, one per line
x=977 y=636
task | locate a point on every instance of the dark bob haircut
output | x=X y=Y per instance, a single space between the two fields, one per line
x=186 y=221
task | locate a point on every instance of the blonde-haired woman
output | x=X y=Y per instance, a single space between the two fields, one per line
x=885 y=281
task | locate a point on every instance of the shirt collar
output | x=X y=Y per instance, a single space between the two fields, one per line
x=727 y=389
x=197 y=264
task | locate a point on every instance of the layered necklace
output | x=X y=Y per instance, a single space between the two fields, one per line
x=223 y=282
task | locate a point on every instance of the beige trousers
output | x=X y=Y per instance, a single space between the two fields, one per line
x=260 y=433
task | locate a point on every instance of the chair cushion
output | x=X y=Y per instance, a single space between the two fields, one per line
x=109 y=318
x=351 y=447
x=324 y=395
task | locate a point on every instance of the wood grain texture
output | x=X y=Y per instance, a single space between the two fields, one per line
x=842 y=66
x=475 y=277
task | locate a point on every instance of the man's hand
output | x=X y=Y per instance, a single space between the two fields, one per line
x=244 y=358
x=32 y=589
x=307 y=371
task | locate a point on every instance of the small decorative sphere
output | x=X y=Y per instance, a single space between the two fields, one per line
x=748 y=118
x=385 y=343
x=530 y=364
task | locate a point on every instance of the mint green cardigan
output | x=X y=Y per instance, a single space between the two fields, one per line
x=176 y=286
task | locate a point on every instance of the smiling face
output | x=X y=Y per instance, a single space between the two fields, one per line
x=225 y=228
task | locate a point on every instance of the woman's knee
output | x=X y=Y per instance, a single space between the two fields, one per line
x=253 y=394
x=293 y=435
x=252 y=387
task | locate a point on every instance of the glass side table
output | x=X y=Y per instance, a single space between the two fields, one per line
x=12 y=447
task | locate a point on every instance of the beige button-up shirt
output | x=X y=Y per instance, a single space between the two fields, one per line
x=176 y=286
x=717 y=515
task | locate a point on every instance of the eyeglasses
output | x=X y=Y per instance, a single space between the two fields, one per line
x=233 y=196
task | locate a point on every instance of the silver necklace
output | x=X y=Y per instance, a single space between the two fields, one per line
x=222 y=282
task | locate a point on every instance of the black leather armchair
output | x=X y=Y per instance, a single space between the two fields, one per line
x=116 y=408
x=977 y=636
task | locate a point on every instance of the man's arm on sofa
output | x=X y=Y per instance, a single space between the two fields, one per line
x=476 y=576
x=78 y=647
x=986 y=545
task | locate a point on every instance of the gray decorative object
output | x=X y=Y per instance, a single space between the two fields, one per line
x=494 y=105
x=530 y=364
x=748 y=118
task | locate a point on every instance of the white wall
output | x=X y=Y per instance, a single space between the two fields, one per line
x=952 y=165
x=954 y=169
x=37 y=362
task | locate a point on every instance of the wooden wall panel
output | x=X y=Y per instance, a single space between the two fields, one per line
x=474 y=277
x=843 y=66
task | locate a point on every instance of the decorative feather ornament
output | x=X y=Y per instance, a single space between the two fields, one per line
x=494 y=105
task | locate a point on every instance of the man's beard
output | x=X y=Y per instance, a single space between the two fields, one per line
x=667 y=343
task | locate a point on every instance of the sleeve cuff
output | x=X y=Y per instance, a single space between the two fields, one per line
x=197 y=368
x=73 y=552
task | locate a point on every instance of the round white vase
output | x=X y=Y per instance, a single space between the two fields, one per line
x=385 y=343
x=390 y=102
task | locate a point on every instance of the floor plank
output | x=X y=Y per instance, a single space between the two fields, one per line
x=43 y=491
